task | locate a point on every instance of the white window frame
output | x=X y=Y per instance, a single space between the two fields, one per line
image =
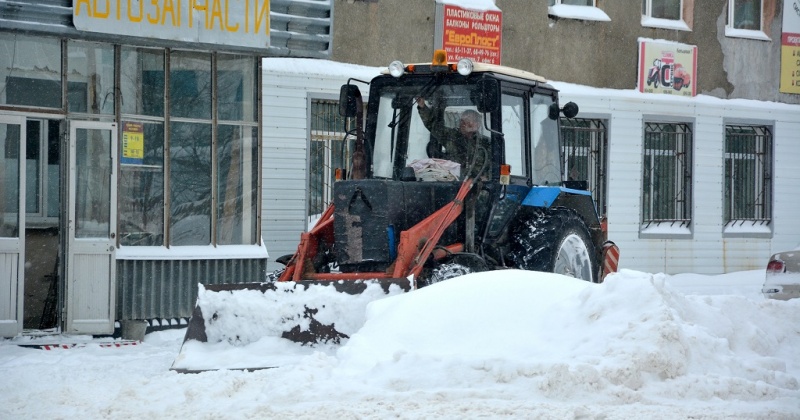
x=757 y=34
x=651 y=22
x=569 y=11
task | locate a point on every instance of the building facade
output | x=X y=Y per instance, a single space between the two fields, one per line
x=131 y=167
x=738 y=41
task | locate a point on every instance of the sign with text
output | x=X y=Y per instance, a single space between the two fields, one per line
x=132 y=143
x=667 y=68
x=467 y=33
x=790 y=47
x=241 y=23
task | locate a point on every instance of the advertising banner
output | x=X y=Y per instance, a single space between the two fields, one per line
x=467 y=33
x=241 y=23
x=667 y=68
x=790 y=47
x=132 y=143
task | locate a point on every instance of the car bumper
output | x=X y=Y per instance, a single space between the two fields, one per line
x=782 y=291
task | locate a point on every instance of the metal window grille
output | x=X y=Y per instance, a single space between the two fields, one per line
x=328 y=151
x=748 y=174
x=667 y=174
x=584 y=147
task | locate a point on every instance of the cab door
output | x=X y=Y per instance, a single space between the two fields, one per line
x=12 y=224
x=90 y=289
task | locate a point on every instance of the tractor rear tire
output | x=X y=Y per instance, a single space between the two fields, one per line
x=556 y=241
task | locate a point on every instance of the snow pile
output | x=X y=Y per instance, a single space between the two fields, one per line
x=569 y=338
x=473 y=317
x=499 y=344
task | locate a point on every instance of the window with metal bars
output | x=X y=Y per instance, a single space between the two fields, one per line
x=584 y=147
x=328 y=151
x=667 y=174
x=748 y=174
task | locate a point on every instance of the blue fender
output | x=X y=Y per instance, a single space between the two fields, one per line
x=546 y=196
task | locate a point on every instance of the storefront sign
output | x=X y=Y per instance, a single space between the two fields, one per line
x=790 y=47
x=667 y=68
x=467 y=33
x=243 y=23
x=132 y=143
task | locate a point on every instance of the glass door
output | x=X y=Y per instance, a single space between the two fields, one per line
x=12 y=224
x=91 y=244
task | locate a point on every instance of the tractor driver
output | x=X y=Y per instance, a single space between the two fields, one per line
x=461 y=144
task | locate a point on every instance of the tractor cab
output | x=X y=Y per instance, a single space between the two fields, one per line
x=410 y=105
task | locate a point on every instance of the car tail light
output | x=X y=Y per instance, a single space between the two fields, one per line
x=776 y=267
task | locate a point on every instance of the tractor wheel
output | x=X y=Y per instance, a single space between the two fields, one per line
x=454 y=266
x=555 y=241
x=447 y=271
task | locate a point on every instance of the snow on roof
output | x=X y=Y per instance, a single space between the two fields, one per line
x=312 y=66
x=569 y=11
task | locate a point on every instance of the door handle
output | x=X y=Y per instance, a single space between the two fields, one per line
x=113 y=235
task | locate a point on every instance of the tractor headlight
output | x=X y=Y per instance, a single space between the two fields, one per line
x=396 y=68
x=465 y=66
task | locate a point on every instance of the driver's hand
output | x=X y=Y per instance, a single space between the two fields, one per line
x=421 y=102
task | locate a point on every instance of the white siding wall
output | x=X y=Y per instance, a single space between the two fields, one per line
x=787 y=184
x=708 y=251
x=288 y=84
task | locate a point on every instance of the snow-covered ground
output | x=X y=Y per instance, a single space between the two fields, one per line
x=505 y=344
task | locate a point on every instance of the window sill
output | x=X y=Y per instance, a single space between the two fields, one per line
x=197 y=252
x=746 y=33
x=666 y=230
x=677 y=25
x=568 y=11
x=747 y=229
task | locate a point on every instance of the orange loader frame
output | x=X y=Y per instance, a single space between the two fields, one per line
x=417 y=244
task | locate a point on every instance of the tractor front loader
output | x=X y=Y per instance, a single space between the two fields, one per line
x=412 y=213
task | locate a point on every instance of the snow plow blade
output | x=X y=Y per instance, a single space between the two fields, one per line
x=248 y=326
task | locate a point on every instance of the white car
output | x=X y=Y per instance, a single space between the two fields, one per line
x=783 y=276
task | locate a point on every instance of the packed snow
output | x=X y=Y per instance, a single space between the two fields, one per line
x=504 y=344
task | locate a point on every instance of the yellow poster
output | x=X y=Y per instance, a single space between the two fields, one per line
x=790 y=47
x=132 y=143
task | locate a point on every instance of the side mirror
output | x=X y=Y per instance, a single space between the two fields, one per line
x=553 y=111
x=570 y=109
x=488 y=95
x=349 y=97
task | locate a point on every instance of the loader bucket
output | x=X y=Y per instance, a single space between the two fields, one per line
x=251 y=326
